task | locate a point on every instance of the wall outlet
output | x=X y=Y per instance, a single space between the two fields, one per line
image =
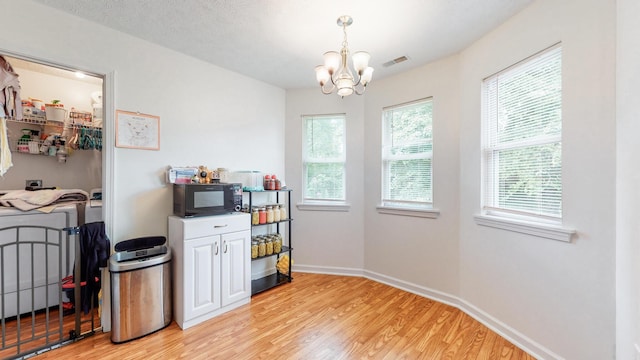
x=33 y=183
x=637 y=351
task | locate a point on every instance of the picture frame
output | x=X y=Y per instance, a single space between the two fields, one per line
x=137 y=131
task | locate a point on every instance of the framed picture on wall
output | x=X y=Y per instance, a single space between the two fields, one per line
x=137 y=131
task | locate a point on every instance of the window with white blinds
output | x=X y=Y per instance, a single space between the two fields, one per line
x=407 y=152
x=324 y=157
x=523 y=138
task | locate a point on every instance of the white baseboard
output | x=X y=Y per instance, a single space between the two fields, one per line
x=515 y=337
x=531 y=347
x=263 y=273
x=413 y=288
x=327 y=270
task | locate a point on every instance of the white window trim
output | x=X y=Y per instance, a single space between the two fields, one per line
x=310 y=205
x=313 y=204
x=425 y=209
x=525 y=223
x=540 y=229
x=431 y=213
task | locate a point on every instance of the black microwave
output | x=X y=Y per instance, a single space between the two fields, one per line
x=206 y=199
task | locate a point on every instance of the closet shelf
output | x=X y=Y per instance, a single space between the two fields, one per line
x=35 y=120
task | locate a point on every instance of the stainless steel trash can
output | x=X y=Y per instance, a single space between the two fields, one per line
x=140 y=288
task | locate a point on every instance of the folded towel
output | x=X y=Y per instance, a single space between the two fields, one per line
x=30 y=200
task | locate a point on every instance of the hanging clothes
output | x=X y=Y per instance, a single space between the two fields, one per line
x=11 y=107
x=95 y=249
x=10 y=102
x=5 y=151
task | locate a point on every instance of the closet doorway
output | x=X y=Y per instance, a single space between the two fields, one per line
x=38 y=296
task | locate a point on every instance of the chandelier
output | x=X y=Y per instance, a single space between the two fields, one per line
x=337 y=70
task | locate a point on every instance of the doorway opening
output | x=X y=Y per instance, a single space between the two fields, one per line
x=56 y=139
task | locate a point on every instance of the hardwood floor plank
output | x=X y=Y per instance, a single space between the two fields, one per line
x=316 y=317
x=39 y=329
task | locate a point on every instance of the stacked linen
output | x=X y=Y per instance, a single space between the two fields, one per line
x=26 y=200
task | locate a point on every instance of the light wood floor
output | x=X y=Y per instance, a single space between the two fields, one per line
x=35 y=334
x=316 y=317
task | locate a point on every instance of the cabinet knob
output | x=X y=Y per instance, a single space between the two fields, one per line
x=226 y=247
x=220 y=226
x=217 y=248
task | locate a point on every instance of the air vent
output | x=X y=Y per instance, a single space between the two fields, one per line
x=395 y=61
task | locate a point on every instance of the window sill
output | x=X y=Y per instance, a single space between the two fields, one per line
x=547 y=231
x=323 y=206
x=423 y=213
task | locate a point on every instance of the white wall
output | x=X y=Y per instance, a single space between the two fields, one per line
x=208 y=115
x=327 y=240
x=552 y=298
x=555 y=294
x=558 y=294
x=416 y=250
x=628 y=178
x=421 y=251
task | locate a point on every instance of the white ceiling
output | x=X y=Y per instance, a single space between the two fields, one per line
x=51 y=70
x=281 y=41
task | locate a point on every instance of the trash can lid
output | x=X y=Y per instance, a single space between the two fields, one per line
x=117 y=264
x=140 y=243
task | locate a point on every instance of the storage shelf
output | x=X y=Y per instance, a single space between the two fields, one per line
x=273 y=223
x=284 y=250
x=268 y=282
x=267 y=191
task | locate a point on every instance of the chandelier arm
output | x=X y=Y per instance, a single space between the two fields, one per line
x=363 y=87
x=327 y=92
x=333 y=81
x=356 y=83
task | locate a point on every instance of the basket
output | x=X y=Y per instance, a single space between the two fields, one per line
x=55 y=114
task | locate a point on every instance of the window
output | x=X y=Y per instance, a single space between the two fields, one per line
x=522 y=150
x=324 y=158
x=407 y=151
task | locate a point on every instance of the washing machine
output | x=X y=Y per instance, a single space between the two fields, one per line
x=93 y=207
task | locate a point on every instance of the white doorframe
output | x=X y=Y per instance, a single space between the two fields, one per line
x=108 y=176
x=108 y=159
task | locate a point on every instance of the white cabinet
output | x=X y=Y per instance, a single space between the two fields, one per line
x=212 y=267
x=201 y=277
x=236 y=266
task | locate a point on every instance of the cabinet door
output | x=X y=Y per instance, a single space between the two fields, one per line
x=236 y=266
x=202 y=276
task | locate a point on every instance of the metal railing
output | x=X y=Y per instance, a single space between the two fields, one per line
x=34 y=313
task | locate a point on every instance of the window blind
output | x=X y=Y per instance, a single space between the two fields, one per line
x=407 y=154
x=523 y=137
x=324 y=157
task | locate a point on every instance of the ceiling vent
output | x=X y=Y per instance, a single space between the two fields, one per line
x=395 y=61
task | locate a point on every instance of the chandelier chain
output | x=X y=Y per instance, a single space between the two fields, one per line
x=344 y=30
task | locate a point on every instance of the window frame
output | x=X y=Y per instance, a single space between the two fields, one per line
x=323 y=204
x=404 y=207
x=527 y=222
